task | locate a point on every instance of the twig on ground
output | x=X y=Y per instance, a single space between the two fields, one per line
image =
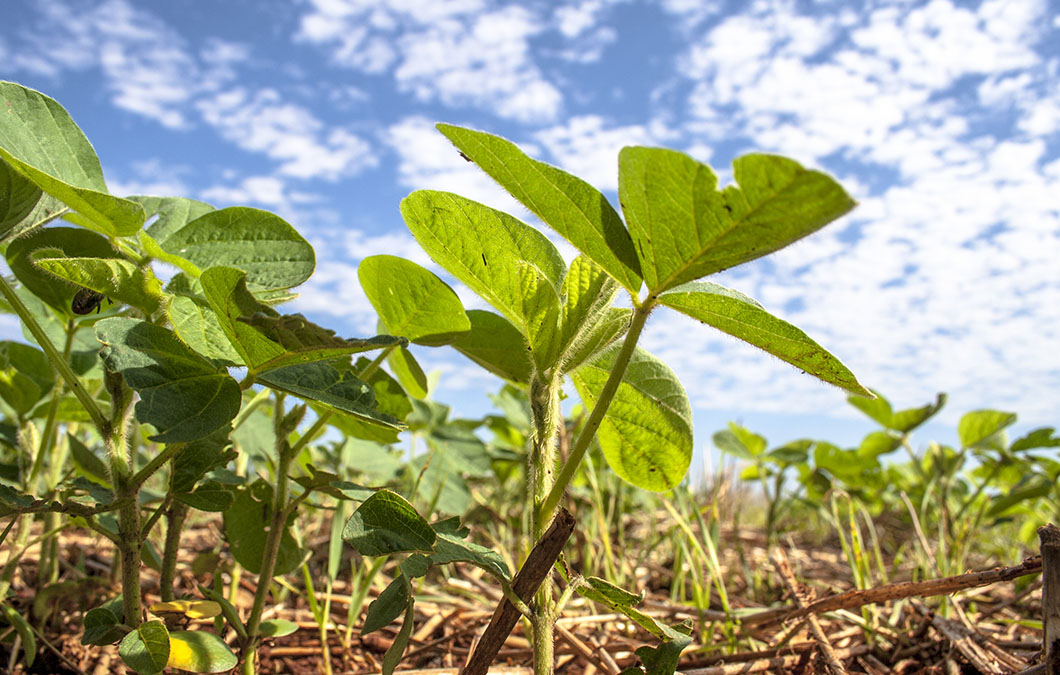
x=804 y=596
x=895 y=591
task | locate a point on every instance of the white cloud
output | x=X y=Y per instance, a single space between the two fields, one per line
x=287 y=132
x=150 y=177
x=459 y=53
x=575 y=19
x=145 y=64
x=428 y=161
x=588 y=148
x=943 y=279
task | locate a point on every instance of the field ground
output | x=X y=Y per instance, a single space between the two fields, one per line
x=991 y=629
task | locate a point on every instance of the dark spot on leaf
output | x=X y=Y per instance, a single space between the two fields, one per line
x=484 y=260
x=728 y=209
x=465 y=157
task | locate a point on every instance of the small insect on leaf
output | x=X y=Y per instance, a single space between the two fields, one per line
x=86 y=300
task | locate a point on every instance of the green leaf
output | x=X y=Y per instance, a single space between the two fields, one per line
x=182 y=394
x=101 y=623
x=26 y=376
x=387 y=523
x=740 y=442
x=622 y=601
x=508 y=263
x=905 y=421
x=663 y=659
x=600 y=335
x=1039 y=438
x=411 y=301
x=340 y=391
x=569 y=205
x=87 y=462
x=646 y=434
x=415 y=566
x=267 y=340
x=684 y=228
x=496 y=345
x=408 y=372
x=878 y=409
x=244 y=529
x=452 y=547
x=401 y=640
x=67 y=241
x=1034 y=487
x=979 y=427
x=200 y=652
x=589 y=323
x=878 y=443
x=211 y=496
x=390 y=398
x=271 y=628
x=22 y=627
x=845 y=465
x=356 y=428
x=20 y=197
x=198 y=458
x=198 y=326
x=146 y=648
x=173 y=213
x=793 y=452
x=265 y=246
x=229 y=610
x=119 y=280
x=152 y=248
x=40 y=140
x=741 y=317
x=387 y=607
x=226 y=290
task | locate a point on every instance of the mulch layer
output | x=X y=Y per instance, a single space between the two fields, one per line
x=972 y=623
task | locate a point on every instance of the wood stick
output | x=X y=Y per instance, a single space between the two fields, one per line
x=1049 y=535
x=803 y=597
x=903 y=589
x=534 y=571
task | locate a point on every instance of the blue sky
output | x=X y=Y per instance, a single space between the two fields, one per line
x=942 y=118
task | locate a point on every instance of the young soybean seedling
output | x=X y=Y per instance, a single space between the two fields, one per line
x=86 y=300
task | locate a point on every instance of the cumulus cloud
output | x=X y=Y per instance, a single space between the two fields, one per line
x=287 y=132
x=147 y=66
x=460 y=53
x=943 y=278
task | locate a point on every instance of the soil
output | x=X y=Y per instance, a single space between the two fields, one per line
x=990 y=629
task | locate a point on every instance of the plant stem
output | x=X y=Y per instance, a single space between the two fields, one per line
x=175 y=515
x=547 y=508
x=57 y=360
x=126 y=491
x=546 y=418
x=277 y=516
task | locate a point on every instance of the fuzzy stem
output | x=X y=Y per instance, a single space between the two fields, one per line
x=546 y=417
x=547 y=508
x=175 y=515
x=277 y=517
x=126 y=491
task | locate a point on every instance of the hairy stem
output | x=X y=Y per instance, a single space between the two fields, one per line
x=277 y=516
x=546 y=417
x=547 y=508
x=175 y=515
